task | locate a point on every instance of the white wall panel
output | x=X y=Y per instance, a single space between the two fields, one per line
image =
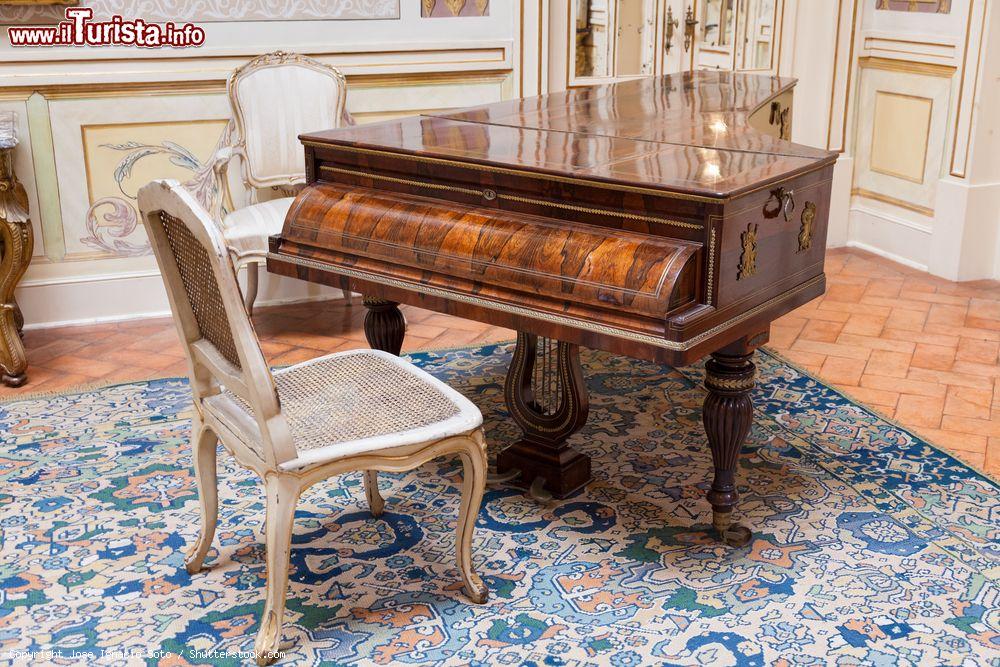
x=94 y=98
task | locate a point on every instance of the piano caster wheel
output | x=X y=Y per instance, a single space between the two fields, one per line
x=732 y=534
x=538 y=492
x=503 y=477
x=736 y=536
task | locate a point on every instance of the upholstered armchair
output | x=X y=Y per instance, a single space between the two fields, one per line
x=274 y=98
x=363 y=410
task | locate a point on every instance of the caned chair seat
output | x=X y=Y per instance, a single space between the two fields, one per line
x=351 y=403
x=246 y=229
x=360 y=411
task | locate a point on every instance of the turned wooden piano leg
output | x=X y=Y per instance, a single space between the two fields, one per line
x=547 y=397
x=728 y=416
x=384 y=325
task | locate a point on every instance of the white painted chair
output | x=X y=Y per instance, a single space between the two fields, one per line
x=274 y=98
x=363 y=410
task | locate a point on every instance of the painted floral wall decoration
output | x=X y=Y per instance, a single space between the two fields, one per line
x=112 y=222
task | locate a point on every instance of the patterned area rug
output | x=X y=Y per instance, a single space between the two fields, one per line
x=870 y=547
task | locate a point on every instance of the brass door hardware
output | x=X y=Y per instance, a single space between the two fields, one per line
x=671 y=25
x=784 y=203
x=689 y=23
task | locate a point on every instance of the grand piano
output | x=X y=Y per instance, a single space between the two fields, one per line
x=665 y=218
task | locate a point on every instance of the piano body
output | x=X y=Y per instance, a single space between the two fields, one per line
x=664 y=218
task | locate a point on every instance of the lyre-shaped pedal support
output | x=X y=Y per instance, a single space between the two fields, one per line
x=547 y=397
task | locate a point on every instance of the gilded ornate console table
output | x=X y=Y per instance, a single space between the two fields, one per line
x=16 y=244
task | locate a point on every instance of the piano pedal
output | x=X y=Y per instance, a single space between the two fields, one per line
x=538 y=492
x=503 y=477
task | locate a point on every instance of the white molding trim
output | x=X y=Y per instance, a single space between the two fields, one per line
x=889 y=217
x=888 y=255
x=166 y=313
x=95 y=278
x=58 y=301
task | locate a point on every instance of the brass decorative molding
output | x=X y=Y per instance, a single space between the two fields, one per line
x=745 y=383
x=960 y=112
x=585 y=325
x=806 y=228
x=711 y=267
x=490 y=195
x=748 y=258
x=907 y=66
x=886 y=199
x=529 y=174
x=88 y=89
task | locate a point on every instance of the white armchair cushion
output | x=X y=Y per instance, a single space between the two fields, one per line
x=277 y=105
x=246 y=230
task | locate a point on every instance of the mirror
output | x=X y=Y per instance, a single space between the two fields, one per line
x=757 y=32
x=592 y=38
x=717 y=26
x=613 y=37
x=736 y=34
x=715 y=44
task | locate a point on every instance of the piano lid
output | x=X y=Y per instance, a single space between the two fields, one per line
x=682 y=133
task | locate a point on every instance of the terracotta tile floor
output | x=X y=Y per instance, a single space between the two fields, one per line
x=919 y=349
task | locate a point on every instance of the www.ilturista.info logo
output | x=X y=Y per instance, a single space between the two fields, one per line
x=79 y=30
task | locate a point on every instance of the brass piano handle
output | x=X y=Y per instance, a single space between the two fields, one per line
x=671 y=25
x=784 y=203
x=689 y=23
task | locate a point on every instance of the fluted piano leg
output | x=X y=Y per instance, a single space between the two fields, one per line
x=384 y=325
x=728 y=416
x=547 y=397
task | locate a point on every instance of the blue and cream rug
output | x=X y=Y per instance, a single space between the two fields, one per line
x=870 y=547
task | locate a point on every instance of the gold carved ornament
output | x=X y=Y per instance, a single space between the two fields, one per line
x=455 y=6
x=428 y=6
x=806 y=229
x=16 y=246
x=780 y=117
x=748 y=258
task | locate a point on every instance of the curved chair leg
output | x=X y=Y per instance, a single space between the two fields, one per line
x=473 y=487
x=282 y=496
x=375 y=501
x=203 y=444
x=345 y=287
x=253 y=282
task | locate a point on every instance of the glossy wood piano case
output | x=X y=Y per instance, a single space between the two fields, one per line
x=665 y=218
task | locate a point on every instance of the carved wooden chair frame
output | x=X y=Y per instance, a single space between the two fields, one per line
x=252 y=182
x=213 y=375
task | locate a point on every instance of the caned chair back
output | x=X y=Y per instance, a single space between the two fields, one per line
x=212 y=322
x=275 y=98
